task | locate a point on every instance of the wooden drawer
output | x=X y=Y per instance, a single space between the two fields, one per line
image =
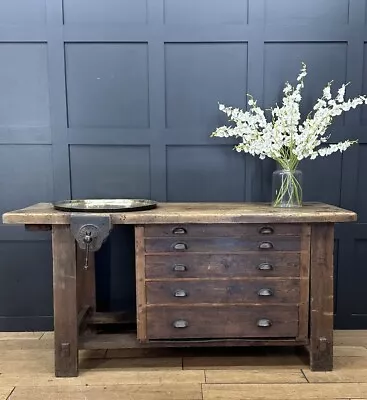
x=222 y=230
x=222 y=244
x=222 y=322
x=255 y=291
x=268 y=264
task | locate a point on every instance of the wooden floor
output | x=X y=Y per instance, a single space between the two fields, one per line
x=26 y=372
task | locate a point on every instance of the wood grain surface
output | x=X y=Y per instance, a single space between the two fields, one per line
x=176 y=213
x=222 y=245
x=181 y=266
x=26 y=372
x=222 y=322
x=261 y=291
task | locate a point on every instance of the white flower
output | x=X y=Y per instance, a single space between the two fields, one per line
x=285 y=138
x=327 y=93
x=341 y=94
x=287 y=89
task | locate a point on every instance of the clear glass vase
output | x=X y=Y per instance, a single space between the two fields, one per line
x=287 y=188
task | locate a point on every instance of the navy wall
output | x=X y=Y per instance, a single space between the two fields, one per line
x=117 y=98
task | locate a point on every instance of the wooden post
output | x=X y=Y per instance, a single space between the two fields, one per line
x=303 y=331
x=141 y=317
x=86 y=280
x=321 y=302
x=65 y=301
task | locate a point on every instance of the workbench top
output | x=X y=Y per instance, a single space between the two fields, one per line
x=167 y=213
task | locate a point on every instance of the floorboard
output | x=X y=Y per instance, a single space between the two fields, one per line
x=26 y=372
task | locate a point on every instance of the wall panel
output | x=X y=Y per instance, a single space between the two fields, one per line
x=118 y=98
x=190 y=172
x=107 y=85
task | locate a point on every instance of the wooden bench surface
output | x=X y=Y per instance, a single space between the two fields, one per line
x=176 y=213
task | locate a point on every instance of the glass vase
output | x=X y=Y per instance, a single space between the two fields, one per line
x=287 y=188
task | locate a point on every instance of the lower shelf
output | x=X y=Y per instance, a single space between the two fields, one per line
x=129 y=341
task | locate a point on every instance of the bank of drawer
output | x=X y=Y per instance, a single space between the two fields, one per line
x=254 y=291
x=222 y=230
x=222 y=322
x=222 y=244
x=268 y=264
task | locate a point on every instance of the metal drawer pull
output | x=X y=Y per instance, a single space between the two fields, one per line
x=179 y=231
x=265 y=267
x=266 y=230
x=264 y=323
x=180 y=246
x=180 y=324
x=180 y=293
x=266 y=246
x=265 y=292
x=179 y=268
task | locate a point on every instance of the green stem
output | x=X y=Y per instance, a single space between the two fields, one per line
x=290 y=189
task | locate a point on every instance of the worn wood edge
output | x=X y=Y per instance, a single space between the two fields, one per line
x=129 y=341
x=123 y=219
x=223 y=305
x=86 y=286
x=321 y=307
x=65 y=301
x=141 y=317
x=234 y=218
x=326 y=213
x=214 y=253
x=245 y=278
x=210 y=230
x=304 y=281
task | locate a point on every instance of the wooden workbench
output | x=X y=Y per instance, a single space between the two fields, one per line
x=208 y=274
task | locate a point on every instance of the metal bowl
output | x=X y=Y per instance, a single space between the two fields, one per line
x=105 y=205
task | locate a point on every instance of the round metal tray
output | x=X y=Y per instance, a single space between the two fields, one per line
x=105 y=205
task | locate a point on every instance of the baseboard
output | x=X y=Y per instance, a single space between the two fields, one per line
x=26 y=324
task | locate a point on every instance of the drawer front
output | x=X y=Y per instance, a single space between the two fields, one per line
x=255 y=291
x=267 y=264
x=221 y=245
x=222 y=230
x=222 y=322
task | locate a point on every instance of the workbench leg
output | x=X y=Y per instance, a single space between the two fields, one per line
x=86 y=280
x=321 y=327
x=65 y=301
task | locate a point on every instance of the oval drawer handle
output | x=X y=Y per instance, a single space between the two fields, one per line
x=180 y=246
x=266 y=230
x=266 y=246
x=264 y=323
x=179 y=231
x=265 y=292
x=265 y=267
x=179 y=268
x=180 y=293
x=180 y=324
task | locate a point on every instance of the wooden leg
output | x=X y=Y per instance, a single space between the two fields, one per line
x=65 y=301
x=86 y=285
x=86 y=288
x=321 y=340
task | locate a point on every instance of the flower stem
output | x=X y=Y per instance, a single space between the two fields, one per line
x=290 y=192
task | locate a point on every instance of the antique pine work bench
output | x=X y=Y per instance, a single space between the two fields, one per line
x=207 y=274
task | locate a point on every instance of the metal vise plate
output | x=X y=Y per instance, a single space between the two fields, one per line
x=97 y=227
